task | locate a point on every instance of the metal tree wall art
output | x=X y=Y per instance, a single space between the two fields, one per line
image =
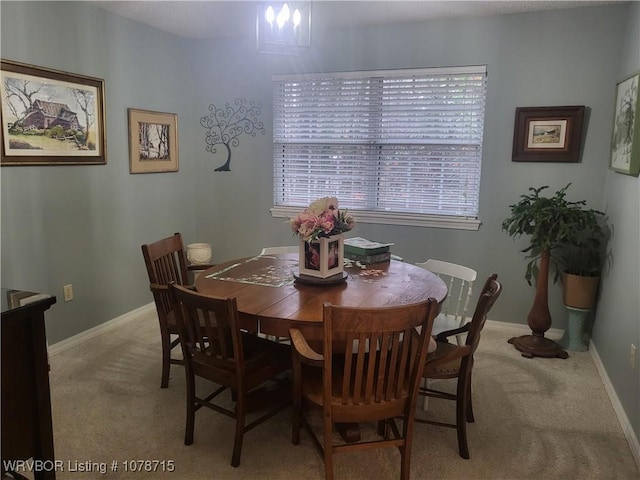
x=225 y=125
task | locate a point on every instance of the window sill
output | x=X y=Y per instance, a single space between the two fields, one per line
x=407 y=219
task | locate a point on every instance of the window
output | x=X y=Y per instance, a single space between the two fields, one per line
x=395 y=146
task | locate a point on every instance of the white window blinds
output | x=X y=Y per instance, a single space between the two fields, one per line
x=396 y=141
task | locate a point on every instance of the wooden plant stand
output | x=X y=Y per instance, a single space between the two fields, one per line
x=539 y=320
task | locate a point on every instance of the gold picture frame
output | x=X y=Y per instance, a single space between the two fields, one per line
x=153 y=141
x=50 y=117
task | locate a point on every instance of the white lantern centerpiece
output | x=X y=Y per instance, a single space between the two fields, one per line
x=320 y=228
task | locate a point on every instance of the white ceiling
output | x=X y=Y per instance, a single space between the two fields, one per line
x=216 y=19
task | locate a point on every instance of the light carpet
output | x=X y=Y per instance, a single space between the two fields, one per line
x=535 y=419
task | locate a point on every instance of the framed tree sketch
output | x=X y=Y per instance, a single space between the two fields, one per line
x=548 y=134
x=153 y=141
x=625 y=144
x=50 y=117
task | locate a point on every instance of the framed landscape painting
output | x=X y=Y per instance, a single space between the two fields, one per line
x=50 y=117
x=625 y=144
x=153 y=141
x=548 y=134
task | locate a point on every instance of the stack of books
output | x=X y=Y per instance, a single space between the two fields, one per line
x=365 y=251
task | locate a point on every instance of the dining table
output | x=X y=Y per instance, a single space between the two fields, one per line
x=272 y=297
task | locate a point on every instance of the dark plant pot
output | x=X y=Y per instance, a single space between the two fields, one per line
x=579 y=291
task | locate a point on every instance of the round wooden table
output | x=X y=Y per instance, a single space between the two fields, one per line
x=270 y=301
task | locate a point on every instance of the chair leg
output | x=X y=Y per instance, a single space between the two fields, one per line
x=296 y=411
x=296 y=404
x=166 y=358
x=191 y=410
x=405 y=450
x=461 y=410
x=328 y=449
x=425 y=401
x=241 y=411
x=470 y=417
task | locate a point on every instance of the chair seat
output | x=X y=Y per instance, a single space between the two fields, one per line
x=261 y=354
x=444 y=370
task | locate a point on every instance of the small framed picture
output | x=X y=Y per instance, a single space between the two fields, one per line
x=625 y=143
x=153 y=141
x=548 y=134
x=50 y=117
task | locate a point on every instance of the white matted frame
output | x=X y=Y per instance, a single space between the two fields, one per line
x=153 y=141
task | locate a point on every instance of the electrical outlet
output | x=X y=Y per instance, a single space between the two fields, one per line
x=68 y=292
x=632 y=356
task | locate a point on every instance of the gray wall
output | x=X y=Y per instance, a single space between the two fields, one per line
x=84 y=225
x=618 y=318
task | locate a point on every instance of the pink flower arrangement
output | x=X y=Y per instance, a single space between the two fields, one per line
x=321 y=219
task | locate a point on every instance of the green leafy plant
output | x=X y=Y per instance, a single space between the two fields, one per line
x=570 y=232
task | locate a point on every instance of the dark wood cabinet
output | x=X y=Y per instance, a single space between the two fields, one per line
x=27 y=431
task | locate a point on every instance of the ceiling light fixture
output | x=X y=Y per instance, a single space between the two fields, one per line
x=284 y=27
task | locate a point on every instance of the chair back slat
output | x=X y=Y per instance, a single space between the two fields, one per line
x=384 y=367
x=393 y=366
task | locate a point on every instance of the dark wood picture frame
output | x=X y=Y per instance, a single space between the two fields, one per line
x=548 y=134
x=50 y=117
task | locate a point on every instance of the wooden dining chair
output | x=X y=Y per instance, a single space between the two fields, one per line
x=451 y=360
x=369 y=371
x=166 y=262
x=459 y=280
x=215 y=349
x=278 y=250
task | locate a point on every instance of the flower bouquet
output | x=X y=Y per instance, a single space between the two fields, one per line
x=321 y=219
x=320 y=228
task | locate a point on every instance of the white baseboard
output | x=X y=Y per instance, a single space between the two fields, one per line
x=82 y=337
x=522 y=329
x=630 y=435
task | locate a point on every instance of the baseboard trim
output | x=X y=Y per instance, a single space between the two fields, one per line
x=630 y=435
x=82 y=337
x=522 y=329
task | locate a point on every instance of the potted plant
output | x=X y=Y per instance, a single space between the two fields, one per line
x=558 y=228
x=580 y=261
